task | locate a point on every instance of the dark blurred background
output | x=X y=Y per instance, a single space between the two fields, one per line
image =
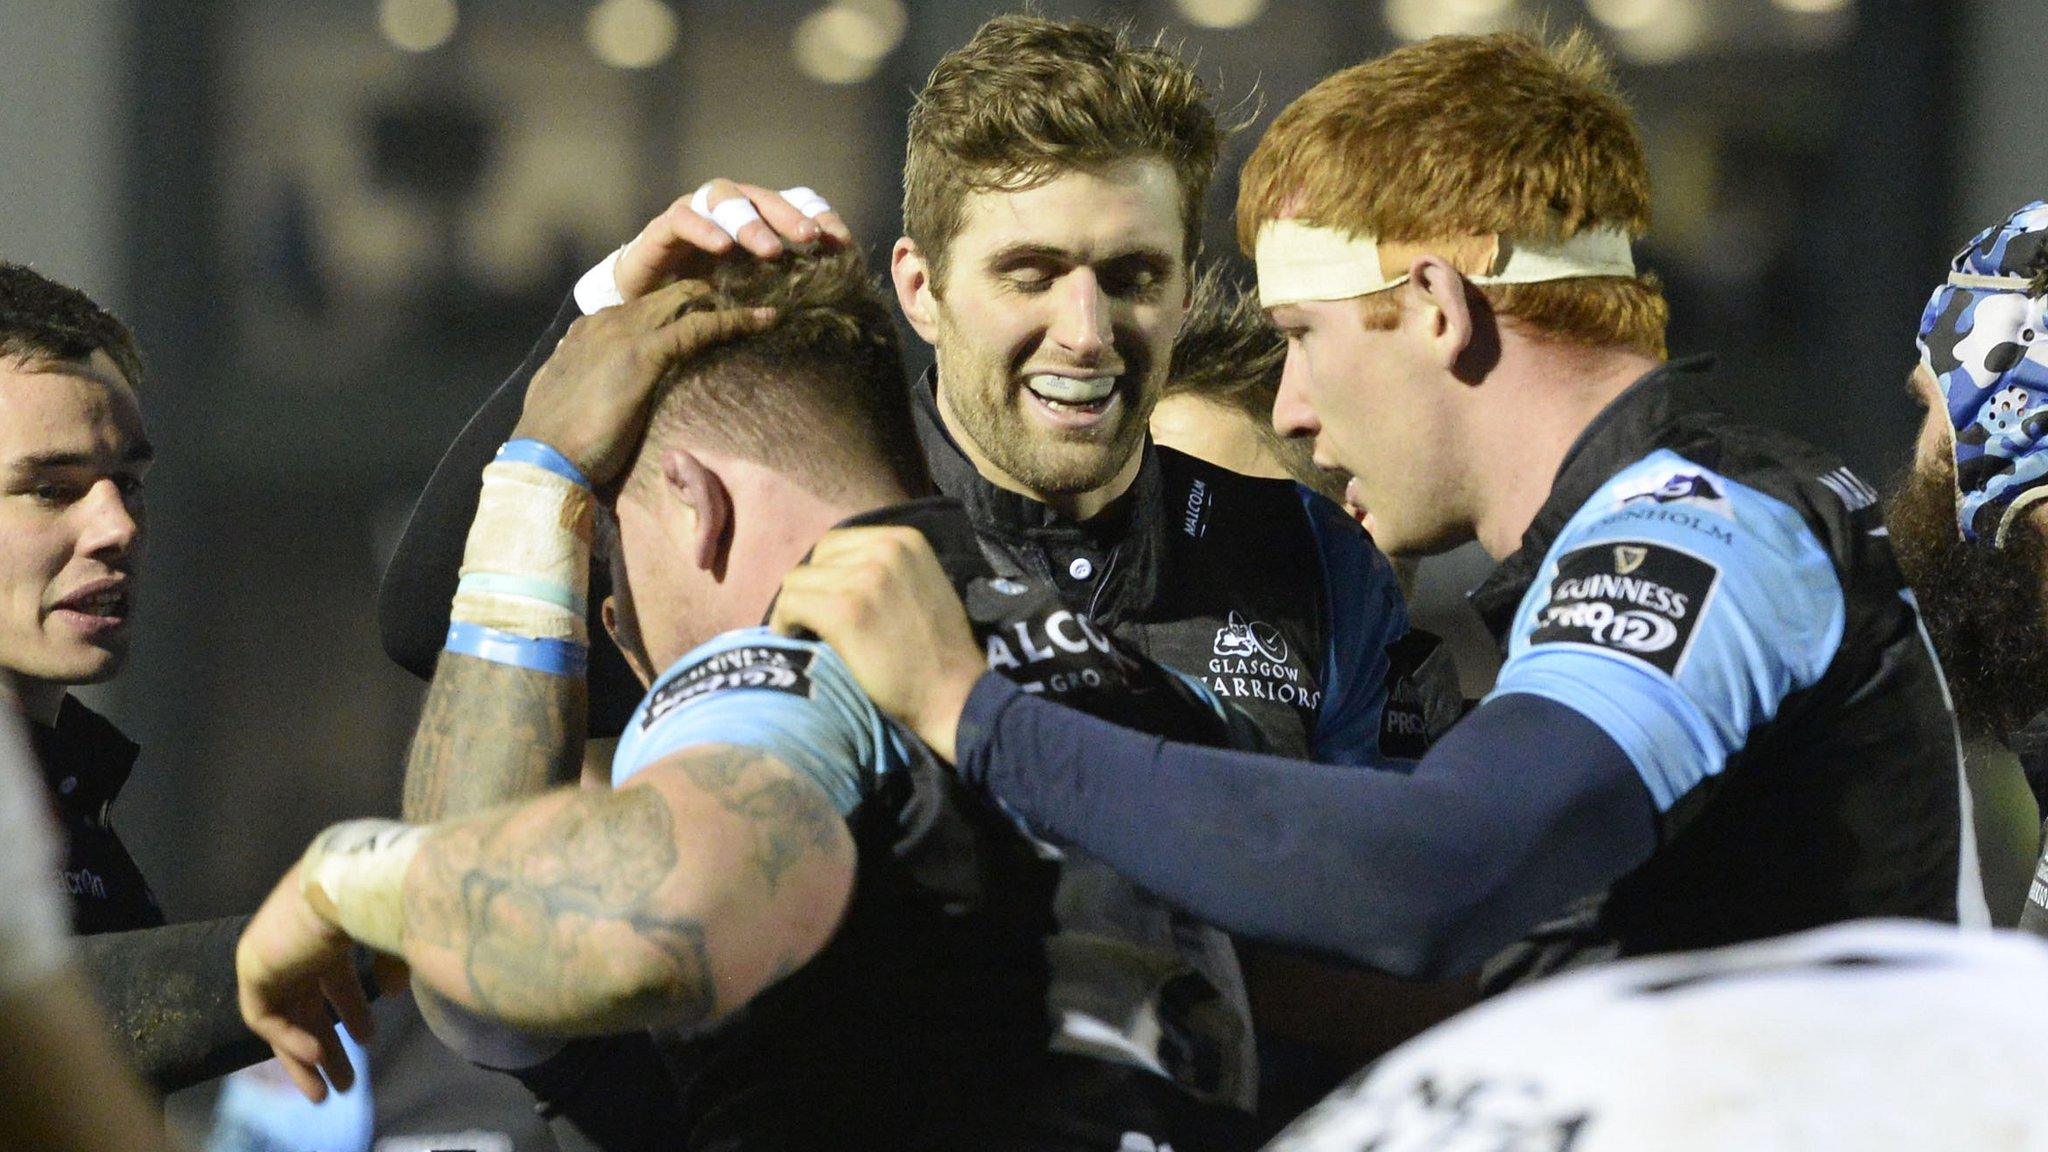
x=336 y=224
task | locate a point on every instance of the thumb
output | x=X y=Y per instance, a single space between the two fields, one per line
x=692 y=332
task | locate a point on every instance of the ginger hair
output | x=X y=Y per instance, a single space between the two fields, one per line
x=1463 y=136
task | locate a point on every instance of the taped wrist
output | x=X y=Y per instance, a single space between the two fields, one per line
x=526 y=566
x=354 y=875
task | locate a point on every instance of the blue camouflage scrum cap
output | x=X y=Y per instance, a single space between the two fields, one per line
x=1981 y=336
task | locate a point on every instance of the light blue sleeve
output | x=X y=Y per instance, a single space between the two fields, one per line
x=1677 y=610
x=793 y=699
x=1367 y=615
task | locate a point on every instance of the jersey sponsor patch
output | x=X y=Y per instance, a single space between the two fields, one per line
x=1679 y=486
x=755 y=666
x=1635 y=597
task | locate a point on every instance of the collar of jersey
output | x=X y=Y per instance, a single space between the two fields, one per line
x=1623 y=432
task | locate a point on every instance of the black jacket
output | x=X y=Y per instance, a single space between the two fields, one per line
x=170 y=990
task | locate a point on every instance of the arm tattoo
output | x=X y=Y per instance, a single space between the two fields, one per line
x=786 y=816
x=490 y=733
x=533 y=905
x=547 y=903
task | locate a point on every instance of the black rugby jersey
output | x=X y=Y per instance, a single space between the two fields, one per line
x=85 y=761
x=1842 y=795
x=926 y=1022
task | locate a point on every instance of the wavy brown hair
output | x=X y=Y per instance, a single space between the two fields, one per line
x=1028 y=99
x=820 y=396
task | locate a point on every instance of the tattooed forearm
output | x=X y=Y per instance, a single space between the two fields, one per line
x=667 y=903
x=490 y=733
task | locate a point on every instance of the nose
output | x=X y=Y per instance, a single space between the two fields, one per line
x=113 y=520
x=1082 y=325
x=1293 y=415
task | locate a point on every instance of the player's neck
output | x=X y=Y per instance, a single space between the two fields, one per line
x=1218 y=433
x=37 y=700
x=1552 y=392
x=776 y=524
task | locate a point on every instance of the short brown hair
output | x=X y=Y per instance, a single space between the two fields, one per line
x=1228 y=353
x=1028 y=99
x=820 y=396
x=41 y=319
x=1470 y=135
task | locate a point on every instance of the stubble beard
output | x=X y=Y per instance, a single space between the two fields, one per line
x=986 y=404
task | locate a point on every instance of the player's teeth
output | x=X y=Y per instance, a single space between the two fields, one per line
x=1070 y=390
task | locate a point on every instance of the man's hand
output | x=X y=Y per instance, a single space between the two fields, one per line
x=590 y=401
x=296 y=978
x=685 y=244
x=880 y=599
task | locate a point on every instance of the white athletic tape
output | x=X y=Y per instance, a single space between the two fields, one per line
x=730 y=215
x=599 y=288
x=1300 y=262
x=806 y=201
x=734 y=214
x=534 y=524
x=354 y=874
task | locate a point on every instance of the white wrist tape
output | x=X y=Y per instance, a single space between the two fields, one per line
x=526 y=566
x=598 y=289
x=1300 y=262
x=354 y=874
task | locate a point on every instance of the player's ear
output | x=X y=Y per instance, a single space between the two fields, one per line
x=1440 y=288
x=628 y=646
x=1460 y=328
x=698 y=487
x=912 y=276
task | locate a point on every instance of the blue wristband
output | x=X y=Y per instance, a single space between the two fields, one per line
x=542 y=455
x=554 y=657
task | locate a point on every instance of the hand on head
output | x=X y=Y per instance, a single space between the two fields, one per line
x=880 y=599
x=694 y=233
x=592 y=399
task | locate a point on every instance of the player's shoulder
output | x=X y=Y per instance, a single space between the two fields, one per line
x=743 y=661
x=792 y=699
x=1215 y=507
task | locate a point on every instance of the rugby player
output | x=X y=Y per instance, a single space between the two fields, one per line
x=1718 y=719
x=771 y=841
x=1968 y=522
x=1053 y=189
x=73 y=457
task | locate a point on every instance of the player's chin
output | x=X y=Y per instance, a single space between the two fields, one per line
x=80 y=663
x=1075 y=465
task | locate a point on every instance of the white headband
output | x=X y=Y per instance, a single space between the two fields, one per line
x=1306 y=262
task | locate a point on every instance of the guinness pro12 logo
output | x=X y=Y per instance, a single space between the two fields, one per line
x=1636 y=597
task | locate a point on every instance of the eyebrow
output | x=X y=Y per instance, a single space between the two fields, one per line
x=1024 y=250
x=140 y=452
